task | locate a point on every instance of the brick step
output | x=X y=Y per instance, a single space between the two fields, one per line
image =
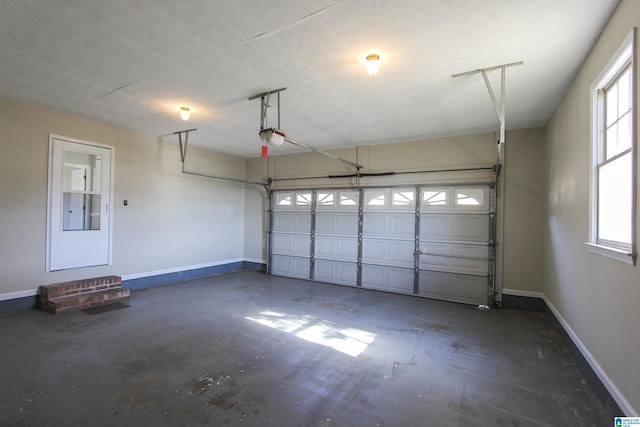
x=81 y=294
x=84 y=300
x=78 y=286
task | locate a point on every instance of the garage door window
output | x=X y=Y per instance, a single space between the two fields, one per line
x=375 y=198
x=434 y=197
x=325 y=199
x=348 y=198
x=470 y=197
x=403 y=198
x=303 y=199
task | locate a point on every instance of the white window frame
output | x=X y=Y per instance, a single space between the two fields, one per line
x=625 y=54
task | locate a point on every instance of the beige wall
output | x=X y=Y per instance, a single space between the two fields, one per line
x=524 y=212
x=173 y=221
x=524 y=187
x=596 y=297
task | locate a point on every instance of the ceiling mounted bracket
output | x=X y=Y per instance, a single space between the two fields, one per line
x=183 y=158
x=183 y=146
x=497 y=267
x=276 y=133
x=500 y=108
x=264 y=104
x=270 y=92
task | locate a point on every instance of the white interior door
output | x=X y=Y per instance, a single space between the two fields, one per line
x=79 y=222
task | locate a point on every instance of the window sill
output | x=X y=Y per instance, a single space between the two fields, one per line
x=615 y=254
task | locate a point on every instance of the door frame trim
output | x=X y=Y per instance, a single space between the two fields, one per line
x=53 y=137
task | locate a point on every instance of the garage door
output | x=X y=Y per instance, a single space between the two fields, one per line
x=335 y=247
x=455 y=252
x=426 y=241
x=291 y=234
x=388 y=239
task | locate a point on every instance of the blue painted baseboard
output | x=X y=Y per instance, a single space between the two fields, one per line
x=607 y=400
x=198 y=273
x=25 y=303
x=538 y=304
x=180 y=276
x=523 y=303
x=18 y=304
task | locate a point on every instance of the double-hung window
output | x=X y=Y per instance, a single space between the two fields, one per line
x=613 y=188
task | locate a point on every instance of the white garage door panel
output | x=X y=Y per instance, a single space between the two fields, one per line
x=479 y=266
x=288 y=266
x=373 y=276
x=461 y=228
x=453 y=287
x=400 y=279
x=292 y=244
x=299 y=222
x=435 y=227
x=373 y=250
x=342 y=249
x=342 y=273
x=374 y=225
x=400 y=253
x=434 y=284
x=393 y=279
x=402 y=225
x=436 y=249
x=471 y=251
x=471 y=228
x=388 y=252
x=434 y=262
x=337 y=223
x=325 y=223
x=282 y=221
x=347 y=224
x=388 y=225
x=325 y=247
x=472 y=259
x=472 y=289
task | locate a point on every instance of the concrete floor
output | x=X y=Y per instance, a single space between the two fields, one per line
x=247 y=349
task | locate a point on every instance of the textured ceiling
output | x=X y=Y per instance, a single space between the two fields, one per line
x=132 y=63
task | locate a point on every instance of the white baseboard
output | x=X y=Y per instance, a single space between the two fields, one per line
x=613 y=390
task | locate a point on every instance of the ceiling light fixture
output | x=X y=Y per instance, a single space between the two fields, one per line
x=185 y=113
x=372 y=64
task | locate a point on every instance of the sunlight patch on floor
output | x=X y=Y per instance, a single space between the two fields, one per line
x=347 y=340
